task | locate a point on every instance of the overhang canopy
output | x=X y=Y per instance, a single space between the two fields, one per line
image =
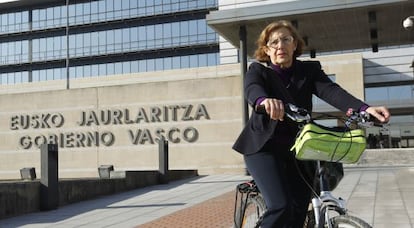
x=327 y=26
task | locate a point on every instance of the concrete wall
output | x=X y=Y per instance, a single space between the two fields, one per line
x=201 y=105
x=197 y=110
x=23 y=197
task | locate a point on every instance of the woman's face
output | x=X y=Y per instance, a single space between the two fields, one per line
x=280 y=47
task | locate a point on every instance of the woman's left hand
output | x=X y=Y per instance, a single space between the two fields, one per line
x=380 y=112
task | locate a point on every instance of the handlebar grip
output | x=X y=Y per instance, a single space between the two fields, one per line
x=293 y=112
x=260 y=109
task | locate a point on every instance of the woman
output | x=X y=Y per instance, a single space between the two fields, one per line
x=266 y=140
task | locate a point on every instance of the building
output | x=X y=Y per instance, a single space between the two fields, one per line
x=106 y=79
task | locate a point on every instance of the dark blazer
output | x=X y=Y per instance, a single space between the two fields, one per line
x=308 y=78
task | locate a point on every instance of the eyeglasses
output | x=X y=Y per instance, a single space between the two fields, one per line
x=283 y=40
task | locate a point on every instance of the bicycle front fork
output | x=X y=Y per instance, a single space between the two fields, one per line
x=329 y=202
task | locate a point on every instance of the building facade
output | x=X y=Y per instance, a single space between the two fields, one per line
x=107 y=79
x=100 y=38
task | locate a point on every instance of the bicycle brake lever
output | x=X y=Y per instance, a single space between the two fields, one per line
x=297 y=114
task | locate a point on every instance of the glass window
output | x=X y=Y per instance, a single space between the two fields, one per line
x=405 y=92
x=185 y=62
x=49 y=74
x=17 y=77
x=87 y=71
x=117 y=45
x=110 y=40
x=117 y=7
x=57 y=73
x=87 y=44
x=25 y=21
x=42 y=74
x=10 y=78
x=11 y=53
x=175 y=34
x=150 y=64
x=167 y=63
x=176 y=62
x=193 y=60
x=102 y=42
x=167 y=35
x=118 y=68
x=35 y=76
x=11 y=22
x=18 y=21
x=158 y=7
x=72 y=14
x=126 y=38
x=126 y=5
x=134 y=38
x=94 y=11
x=57 y=19
x=86 y=12
x=95 y=45
x=102 y=70
x=150 y=36
x=18 y=52
x=95 y=70
x=79 y=13
x=109 y=9
x=376 y=94
x=25 y=76
x=102 y=10
x=400 y=92
x=110 y=68
x=212 y=59
x=72 y=72
x=49 y=47
x=79 y=72
x=158 y=36
x=159 y=64
x=149 y=9
x=126 y=67
x=4 y=23
x=202 y=60
x=72 y=45
x=49 y=18
x=134 y=67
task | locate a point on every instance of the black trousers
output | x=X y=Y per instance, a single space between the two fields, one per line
x=280 y=178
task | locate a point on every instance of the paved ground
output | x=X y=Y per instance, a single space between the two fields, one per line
x=384 y=197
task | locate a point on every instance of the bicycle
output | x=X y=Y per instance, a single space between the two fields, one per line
x=325 y=210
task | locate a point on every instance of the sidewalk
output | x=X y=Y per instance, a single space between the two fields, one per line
x=384 y=197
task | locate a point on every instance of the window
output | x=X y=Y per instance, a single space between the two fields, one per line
x=393 y=93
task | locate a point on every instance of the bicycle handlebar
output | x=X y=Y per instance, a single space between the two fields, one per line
x=300 y=115
x=292 y=111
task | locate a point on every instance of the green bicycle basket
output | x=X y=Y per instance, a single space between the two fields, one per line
x=337 y=144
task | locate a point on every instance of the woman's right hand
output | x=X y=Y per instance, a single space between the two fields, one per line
x=274 y=108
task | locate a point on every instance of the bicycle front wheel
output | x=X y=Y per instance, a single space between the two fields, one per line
x=348 y=221
x=254 y=209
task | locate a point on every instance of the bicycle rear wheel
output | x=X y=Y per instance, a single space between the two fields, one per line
x=254 y=208
x=348 y=221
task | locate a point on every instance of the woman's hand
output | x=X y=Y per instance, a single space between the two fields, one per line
x=274 y=108
x=381 y=113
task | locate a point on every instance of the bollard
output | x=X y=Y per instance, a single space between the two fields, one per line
x=105 y=171
x=49 y=188
x=163 y=160
x=28 y=173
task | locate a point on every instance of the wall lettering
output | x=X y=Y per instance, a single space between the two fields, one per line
x=105 y=117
